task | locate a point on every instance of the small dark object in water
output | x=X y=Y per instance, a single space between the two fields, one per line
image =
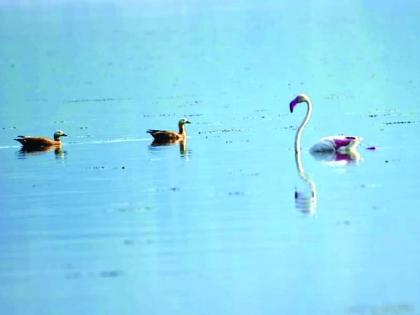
x=110 y=273
x=399 y=122
x=372 y=148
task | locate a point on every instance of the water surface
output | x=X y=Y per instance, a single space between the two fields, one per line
x=113 y=225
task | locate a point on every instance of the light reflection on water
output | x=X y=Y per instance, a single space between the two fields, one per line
x=113 y=224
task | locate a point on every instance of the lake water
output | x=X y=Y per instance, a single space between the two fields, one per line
x=113 y=225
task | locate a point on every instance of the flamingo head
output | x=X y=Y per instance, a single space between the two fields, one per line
x=298 y=99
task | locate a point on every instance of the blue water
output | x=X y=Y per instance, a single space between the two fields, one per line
x=112 y=225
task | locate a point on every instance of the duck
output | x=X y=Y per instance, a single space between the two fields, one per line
x=339 y=144
x=167 y=136
x=41 y=142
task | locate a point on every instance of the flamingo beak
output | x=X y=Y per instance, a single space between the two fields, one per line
x=293 y=104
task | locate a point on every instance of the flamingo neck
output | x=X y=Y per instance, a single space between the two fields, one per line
x=311 y=206
x=302 y=125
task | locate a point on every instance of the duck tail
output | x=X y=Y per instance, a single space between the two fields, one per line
x=20 y=139
x=152 y=131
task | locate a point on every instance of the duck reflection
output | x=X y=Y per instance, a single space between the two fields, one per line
x=31 y=151
x=182 y=146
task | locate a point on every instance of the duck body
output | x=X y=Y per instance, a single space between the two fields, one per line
x=36 y=141
x=165 y=135
x=40 y=142
x=168 y=136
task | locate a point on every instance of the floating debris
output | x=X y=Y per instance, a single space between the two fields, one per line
x=291 y=127
x=220 y=131
x=96 y=167
x=399 y=122
x=110 y=274
x=107 y=99
x=235 y=193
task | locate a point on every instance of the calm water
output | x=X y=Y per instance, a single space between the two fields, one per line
x=112 y=225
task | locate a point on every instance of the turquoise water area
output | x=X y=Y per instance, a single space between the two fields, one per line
x=112 y=225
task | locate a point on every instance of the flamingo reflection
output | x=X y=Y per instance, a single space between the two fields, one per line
x=305 y=201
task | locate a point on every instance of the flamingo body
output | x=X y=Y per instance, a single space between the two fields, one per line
x=336 y=143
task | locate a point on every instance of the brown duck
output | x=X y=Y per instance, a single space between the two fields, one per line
x=166 y=136
x=41 y=142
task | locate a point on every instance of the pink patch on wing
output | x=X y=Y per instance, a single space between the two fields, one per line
x=338 y=143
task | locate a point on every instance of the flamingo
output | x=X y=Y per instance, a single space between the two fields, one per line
x=338 y=144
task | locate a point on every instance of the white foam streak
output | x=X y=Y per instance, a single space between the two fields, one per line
x=118 y=140
x=65 y=144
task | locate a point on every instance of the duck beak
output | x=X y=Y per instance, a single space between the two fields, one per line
x=64 y=135
x=293 y=104
x=187 y=122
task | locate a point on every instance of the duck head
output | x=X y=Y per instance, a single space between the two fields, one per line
x=183 y=121
x=301 y=98
x=181 y=125
x=58 y=134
